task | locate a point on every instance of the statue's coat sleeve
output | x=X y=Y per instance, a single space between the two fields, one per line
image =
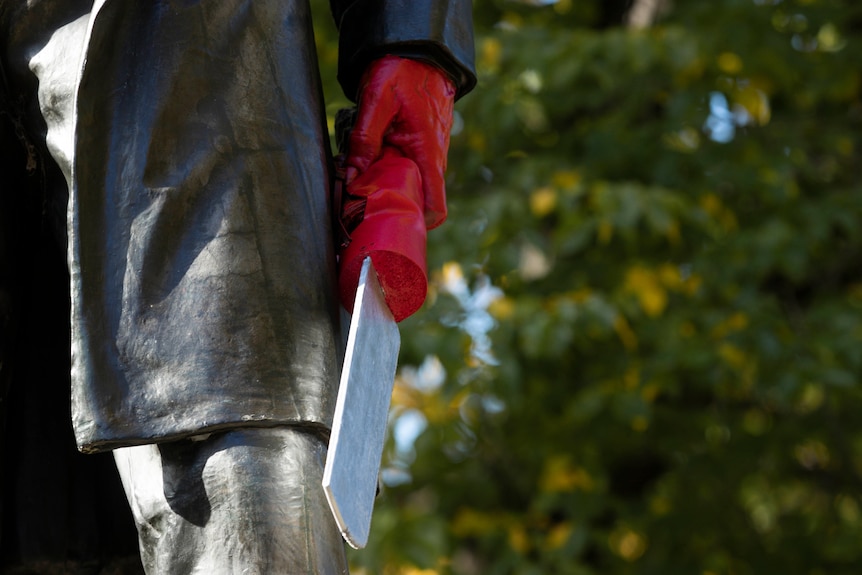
x=440 y=31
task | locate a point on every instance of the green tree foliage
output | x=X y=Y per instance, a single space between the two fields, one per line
x=671 y=216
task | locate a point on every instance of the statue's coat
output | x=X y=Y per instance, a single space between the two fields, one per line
x=200 y=250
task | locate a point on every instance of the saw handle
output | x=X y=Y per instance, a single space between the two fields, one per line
x=392 y=231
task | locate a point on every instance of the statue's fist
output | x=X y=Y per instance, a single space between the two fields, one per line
x=407 y=105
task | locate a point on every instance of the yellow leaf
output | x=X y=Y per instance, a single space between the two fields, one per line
x=502 y=308
x=543 y=201
x=606 y=232
x=476 y=141
x=670 y=276
x=625 y=333
x=673 y=233
x=812 y=454
x=732 y=355
x=848 y=509
x=470 y=522
x=829 y=39
x=563 y=6
x=736 y=322
x=513 y=19
x=490 y=54
x=713 y=206
x=583 y=294
x=566 y=179
x=631 y=378
x=560 y=475
x=558 y=536
x=685 y=140
x=406 y=396
x=653 y=301
x=811 y=398
x=650 y=392
x=627 y=543
x=518 y=539
x=640 y=423
x=645 y=285
x=659 y=505
x=755 y=103
x=729 y=63
x=452 y=273
x=844 y=146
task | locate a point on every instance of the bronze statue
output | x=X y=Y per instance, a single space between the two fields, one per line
x=205 y=325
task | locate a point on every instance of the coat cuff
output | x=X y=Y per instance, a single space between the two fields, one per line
x=440 y=33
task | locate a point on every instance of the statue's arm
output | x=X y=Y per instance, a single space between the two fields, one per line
x=437 y=31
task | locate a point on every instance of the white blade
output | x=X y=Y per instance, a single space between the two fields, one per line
x=364 y=394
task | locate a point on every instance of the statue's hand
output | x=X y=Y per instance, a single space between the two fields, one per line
x=407 y=105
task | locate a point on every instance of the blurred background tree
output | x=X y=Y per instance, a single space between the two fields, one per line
x=642 y=349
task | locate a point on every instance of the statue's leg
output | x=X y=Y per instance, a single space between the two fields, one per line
x=242 y=501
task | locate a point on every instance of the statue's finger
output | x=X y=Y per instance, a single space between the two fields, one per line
x=377 y=108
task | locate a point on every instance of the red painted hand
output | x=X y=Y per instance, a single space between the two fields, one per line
x=406 y=105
